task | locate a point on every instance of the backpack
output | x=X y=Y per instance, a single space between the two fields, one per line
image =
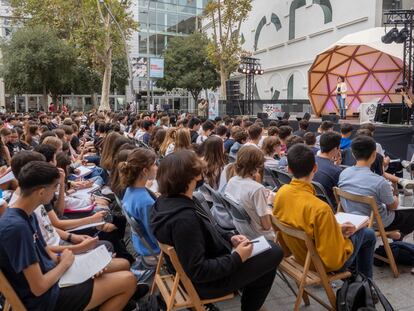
x=403 y=253
x=151 y=303
x=357 y=293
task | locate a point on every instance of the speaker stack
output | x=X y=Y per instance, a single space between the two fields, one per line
x=334 y=118
x=303 y=116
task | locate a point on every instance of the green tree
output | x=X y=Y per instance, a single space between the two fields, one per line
x=187 y=65
x=36 y=60
x=226 y=17
x=89 y=26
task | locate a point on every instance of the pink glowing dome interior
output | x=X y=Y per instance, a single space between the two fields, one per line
x=369 y=74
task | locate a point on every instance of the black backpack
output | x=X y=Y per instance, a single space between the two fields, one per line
x=151 y=303
x=403 y=253
x=357 y=293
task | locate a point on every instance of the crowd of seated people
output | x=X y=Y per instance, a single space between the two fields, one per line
x=71 y=170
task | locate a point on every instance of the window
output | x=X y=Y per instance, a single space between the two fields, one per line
x=391 y=5
x=296 y=4
x=326 y=8
x=258 y=30
x=290 y=87
x=276 y=21
x=186 y=25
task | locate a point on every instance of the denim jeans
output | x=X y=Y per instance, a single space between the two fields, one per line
x=341 y=104
x=363 y=255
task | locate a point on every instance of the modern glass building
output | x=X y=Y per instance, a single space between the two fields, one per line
x=160 y=21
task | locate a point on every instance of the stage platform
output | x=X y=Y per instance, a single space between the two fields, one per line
x=396 y=139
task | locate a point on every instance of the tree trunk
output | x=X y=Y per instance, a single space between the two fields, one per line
x=223 y=80
x=106 y=85
x=106 y=81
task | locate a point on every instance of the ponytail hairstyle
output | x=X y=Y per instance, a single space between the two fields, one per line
x=132 y=168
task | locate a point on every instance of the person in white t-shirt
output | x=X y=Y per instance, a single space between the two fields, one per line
x=255 y=135
x=246 y=190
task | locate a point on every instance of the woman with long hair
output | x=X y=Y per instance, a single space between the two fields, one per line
x=157 y=138
x=271 y=149
x=204 y=250
x=106 y=148
x=169 y=140
x=31 y=135
x=215 y=159
x=139 y=168
x=182 y=139
x=246 y=189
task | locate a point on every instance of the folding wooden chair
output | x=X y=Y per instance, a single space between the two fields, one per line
x=177 y=290
x=375 y=216
x=302 y=274
x=12 y=301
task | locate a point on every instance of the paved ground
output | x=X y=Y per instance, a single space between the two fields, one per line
x=398 y=291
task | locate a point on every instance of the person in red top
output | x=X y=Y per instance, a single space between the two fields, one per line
x=52 y=107
x=64 y=108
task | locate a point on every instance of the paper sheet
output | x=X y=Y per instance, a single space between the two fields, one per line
x=82 y=193
x=357 y=220
x=86 y=266
x=6 y=178
x=84 y=171
x=87 y=226
x=260 y=247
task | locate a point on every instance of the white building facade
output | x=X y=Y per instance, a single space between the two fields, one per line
x=287 y=35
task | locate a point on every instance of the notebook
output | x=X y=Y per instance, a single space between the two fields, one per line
x=83 y=171
x=87 y=226
x=86 y=266
x=357 y=220
x=261 y=246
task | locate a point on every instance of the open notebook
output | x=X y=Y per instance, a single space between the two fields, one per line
x=86 y=266
x=357 y=220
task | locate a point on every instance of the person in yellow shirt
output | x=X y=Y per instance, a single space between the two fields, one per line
x=296 y=205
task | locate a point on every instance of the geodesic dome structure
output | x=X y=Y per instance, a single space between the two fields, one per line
x=371 y=69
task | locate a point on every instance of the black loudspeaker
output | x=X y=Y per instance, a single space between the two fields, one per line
x=283 y=115
x=262 y=115
x=334 y=118
x=392 y=114
x=303 y=116
x=233 y=90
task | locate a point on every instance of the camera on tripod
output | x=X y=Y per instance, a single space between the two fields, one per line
x=403 y=87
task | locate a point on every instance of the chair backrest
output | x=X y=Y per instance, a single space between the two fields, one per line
x=368 y=200
x=237 y=212
x=283 y=177
x=321 y=193
x=183 y=278
x=11 y=297
x=312 y=255
x=137 y=228
x=270 y=178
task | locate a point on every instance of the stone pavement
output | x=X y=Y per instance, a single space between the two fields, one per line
x=400 y=293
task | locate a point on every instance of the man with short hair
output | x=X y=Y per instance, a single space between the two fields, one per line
x=194 y=125
x=328 y=160
x=147 y=126
x=346 y=132
x=303 y=128
x=255 y=135
x=359 y=179
x=326 y=126
x=296 y=205
x=206 y=130
x=284 y=133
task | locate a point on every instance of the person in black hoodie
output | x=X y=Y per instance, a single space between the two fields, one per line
x=204 y=250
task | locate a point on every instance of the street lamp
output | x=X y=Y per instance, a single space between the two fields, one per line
x=130 y=79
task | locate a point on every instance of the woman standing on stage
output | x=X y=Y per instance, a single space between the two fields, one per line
x=341 y=96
